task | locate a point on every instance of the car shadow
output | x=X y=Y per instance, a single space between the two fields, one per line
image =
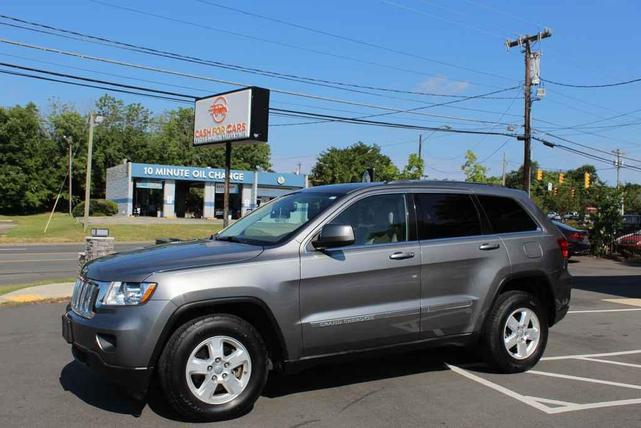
x=624 y=286
x=331 y=374
x=96 y=391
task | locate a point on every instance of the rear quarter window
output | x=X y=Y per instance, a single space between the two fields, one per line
x=505 y=215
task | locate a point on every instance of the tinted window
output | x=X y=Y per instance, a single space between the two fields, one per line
x=442 y=215
x=506 y=215
x=377 y=219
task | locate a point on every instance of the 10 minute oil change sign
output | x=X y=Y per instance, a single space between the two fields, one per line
x=238 y=116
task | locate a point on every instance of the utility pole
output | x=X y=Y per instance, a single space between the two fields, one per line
x=504 y=168
x=420 y=146
x=617 y=164
x=93 y=121
x=527 y=41
x=70 y=144
x=227 y=177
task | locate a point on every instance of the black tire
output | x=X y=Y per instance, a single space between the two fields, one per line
x=495 y=351
x=172 y=363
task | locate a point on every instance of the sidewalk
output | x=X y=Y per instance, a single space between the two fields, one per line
x=39 y=293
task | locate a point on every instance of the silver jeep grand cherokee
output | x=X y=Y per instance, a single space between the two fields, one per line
x=325 y=271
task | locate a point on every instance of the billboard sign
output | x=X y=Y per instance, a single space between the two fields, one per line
x=238 y=116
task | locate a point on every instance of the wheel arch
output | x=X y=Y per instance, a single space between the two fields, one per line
x=251 y=309
x=534 y=282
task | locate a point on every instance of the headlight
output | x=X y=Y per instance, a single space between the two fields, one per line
x=129 y=293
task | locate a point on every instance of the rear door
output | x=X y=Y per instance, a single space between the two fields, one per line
x=519 y=233
x=459 y=263
x=366 y=294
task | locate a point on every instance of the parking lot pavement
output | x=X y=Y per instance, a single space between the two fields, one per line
x=590 y=376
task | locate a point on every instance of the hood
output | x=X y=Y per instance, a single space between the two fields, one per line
x=136 y=265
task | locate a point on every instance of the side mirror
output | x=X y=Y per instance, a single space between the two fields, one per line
x=334 y=235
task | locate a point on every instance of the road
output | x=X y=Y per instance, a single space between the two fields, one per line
x=590 y=376
x=23 y=264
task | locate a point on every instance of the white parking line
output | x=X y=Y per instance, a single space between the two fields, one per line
x=525 y=399
x=596 y=311
x=584 y=379
x=604 y=354
x=542 y=404
x=618 y=363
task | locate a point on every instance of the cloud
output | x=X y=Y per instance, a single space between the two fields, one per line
x=443 y=85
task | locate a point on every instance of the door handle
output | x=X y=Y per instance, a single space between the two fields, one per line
x=487 y=246
x=401 y=255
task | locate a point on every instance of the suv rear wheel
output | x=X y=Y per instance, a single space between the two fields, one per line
x=213 y=368
x=516 y=332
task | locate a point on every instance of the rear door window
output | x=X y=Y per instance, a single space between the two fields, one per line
x=505 y=215
x=446 y=215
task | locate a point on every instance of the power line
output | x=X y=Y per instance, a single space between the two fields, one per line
x=602 y=85
x=409 y=111
x=413 y=111
x=75 y=35
x=264 y=40
x=278 y=111
x=345 y=38
x=441 y=18
x=588 y=147
x=584 y=154
x=86 y=85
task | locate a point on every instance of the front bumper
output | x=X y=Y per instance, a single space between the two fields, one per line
x=119 y=342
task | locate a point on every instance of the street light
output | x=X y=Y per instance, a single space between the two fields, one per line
x=93 y=120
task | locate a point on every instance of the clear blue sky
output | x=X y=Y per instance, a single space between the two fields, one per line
x=591 y=43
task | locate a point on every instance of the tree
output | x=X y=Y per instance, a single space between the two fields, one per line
x=475 y=172
x=28 y=176
x=336 y=165
x=608 y=221
x=632 y=198
x=414 y=168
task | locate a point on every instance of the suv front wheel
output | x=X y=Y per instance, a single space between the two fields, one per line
x=516 y=332
x=213 y=368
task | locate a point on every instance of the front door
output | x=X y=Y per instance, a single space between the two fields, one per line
x=366 y=294
x=459 y=263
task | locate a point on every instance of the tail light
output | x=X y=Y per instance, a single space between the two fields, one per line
x=576 y=236
x=563 y=245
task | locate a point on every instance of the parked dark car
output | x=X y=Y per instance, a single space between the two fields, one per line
x=578 y=242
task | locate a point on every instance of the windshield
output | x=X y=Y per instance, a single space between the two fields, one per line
x=278 y=220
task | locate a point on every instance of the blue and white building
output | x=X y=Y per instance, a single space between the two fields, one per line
x=185 y=191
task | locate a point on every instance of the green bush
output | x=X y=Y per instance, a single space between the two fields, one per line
x=97 y=207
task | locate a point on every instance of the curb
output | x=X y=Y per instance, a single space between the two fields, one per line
x=39 y=293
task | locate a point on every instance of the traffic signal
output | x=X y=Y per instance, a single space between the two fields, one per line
x=573 y=192
x=586 y=180
x=561 y=178
x=556 y=189
x=539 y=174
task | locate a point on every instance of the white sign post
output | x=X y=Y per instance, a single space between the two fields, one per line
x=239 y=117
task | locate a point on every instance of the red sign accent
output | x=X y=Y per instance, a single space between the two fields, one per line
x=218 y=109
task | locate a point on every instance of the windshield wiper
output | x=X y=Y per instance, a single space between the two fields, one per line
x=228 y=239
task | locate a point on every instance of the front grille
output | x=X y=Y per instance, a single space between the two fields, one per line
x=84 y=296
